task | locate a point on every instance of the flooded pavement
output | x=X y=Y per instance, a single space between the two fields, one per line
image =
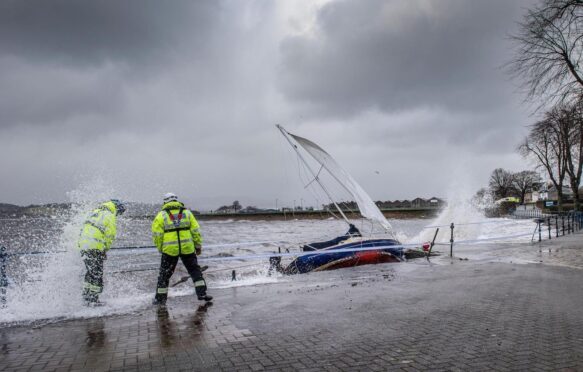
x=491 y=311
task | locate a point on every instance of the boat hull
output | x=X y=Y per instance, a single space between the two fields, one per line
x=388 y=250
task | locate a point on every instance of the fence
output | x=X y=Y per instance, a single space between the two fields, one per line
x=564 y=223
x=529 y=213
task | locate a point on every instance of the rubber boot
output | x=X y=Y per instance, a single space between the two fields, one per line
x=205 y=298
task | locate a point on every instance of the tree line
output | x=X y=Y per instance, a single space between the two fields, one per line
x=504 y=184
x=547 y=62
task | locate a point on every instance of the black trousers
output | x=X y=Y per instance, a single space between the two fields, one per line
x=93 y=285
x=167 y=267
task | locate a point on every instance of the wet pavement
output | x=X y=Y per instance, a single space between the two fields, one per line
x=489 y=312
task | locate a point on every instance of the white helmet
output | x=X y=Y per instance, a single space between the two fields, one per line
x=170 y=197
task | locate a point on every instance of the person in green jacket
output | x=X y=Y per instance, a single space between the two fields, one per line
x=176 y=234
x=97 y=236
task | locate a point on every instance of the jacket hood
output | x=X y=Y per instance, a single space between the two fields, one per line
x=173 y=205
x=109 y=206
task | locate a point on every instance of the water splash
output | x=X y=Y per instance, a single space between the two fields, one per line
x=50 y=285
x=461 y=210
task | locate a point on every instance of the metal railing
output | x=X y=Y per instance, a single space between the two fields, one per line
x=563 y=222
x=529 y=213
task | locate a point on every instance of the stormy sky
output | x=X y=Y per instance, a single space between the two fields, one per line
x=132 y=99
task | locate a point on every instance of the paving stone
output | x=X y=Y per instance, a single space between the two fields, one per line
x=458 y=316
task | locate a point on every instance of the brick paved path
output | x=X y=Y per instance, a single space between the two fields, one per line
x=463 y=315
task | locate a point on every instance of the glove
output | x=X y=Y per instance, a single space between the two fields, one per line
x=198 y=250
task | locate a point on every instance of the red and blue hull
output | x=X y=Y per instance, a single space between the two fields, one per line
x=365 y=252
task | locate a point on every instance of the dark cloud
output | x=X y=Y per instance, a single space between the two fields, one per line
x=73 y=32
x=69 y=61
x=48 y=94
x=139 y=98
x=393 y=55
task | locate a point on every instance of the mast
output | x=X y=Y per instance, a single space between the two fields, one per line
x=316 y=178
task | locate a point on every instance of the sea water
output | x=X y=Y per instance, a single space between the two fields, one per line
x=46 y=271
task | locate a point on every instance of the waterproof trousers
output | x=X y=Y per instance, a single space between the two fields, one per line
x=93 y=285
x=167 y=267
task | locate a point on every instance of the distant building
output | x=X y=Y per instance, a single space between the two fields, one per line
x=250 y=209
x=419 y=203
x=554 y=195
x=415 y=203
x=437 y=202
x=533 y=197
x=226 y=209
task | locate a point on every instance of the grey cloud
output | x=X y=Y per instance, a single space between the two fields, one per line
x=391 y=55
x=70 y=62
x=51 y=95
x=119 y=94
x=74 y=32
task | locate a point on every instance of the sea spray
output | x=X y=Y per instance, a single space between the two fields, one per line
x=461 y=211
x=49 y=284
x=466 y=212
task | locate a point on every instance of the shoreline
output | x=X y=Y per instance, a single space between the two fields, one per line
x=401 y=213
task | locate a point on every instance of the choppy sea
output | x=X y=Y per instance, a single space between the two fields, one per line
x=45 y=270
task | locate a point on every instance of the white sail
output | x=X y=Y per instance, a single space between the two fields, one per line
x=368 y=208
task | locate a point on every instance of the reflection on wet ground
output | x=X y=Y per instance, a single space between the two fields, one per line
x=563 y=251
x=95 y=334
x=170 y=332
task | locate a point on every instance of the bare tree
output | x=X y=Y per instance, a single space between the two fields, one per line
x=544 y=143
x=571 y=127
x=526 y=181
x=501 y=183
x=548 y=56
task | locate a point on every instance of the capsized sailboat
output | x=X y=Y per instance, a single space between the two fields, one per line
x=350 y=249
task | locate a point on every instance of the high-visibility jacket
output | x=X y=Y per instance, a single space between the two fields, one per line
x=175 y=231
x=99 y=229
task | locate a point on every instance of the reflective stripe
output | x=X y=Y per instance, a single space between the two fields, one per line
x=162 y=290
x=96 y=219
x=185 y=226
x=92 y=288
x=92 y=224
x=91 y=244
x=175 y=242
x=200 y=283
x=177 y=230
x=93 y=239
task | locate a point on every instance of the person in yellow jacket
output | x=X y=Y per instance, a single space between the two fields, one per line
x=176 y=234
x=96 y=238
